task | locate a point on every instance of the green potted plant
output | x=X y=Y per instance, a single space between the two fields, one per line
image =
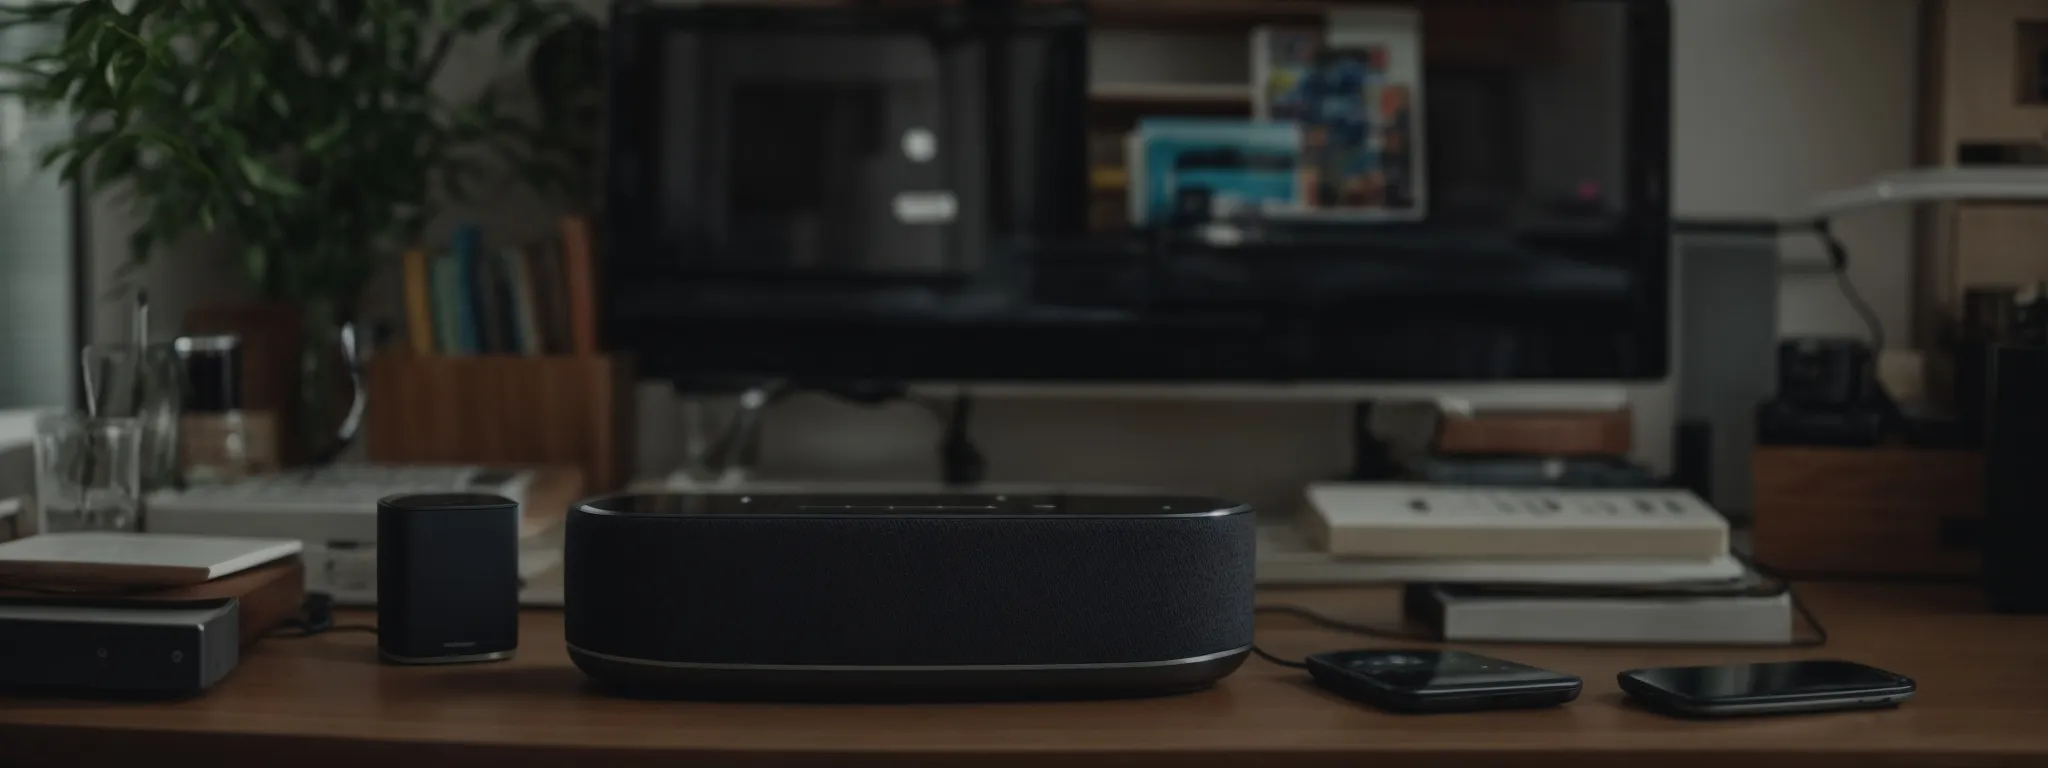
x=310 y=137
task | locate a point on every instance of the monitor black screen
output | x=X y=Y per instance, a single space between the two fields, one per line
x=828 y=193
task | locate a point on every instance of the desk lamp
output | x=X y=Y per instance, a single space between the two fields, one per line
x=1922 y=185
x=1828 y=391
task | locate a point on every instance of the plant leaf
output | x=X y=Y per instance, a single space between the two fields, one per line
x=264 y=178
x=311 y=134
x=326 y=138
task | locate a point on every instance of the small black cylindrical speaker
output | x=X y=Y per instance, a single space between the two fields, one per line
x=447 y=578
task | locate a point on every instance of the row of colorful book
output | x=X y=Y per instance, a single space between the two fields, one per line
x=475 y=299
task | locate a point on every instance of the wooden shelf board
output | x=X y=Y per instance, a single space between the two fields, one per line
x=1195 y=94
x=1208 y=13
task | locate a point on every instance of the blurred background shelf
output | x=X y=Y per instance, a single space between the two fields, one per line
x=1233 y=98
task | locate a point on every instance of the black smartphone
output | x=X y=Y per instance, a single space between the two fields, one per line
x=1766 y=689
x=1440 y=681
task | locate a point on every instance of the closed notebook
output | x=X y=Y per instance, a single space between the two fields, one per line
x=133 y=559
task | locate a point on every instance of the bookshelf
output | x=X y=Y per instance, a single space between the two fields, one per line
x=505 y=410
x=1221 y=98
x=1985 y=101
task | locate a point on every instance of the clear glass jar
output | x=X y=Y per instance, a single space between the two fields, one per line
x=88 y=473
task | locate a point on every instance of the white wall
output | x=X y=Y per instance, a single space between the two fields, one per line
x=1775 y=100
x=38 y=294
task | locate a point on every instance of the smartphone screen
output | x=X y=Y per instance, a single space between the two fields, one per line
x=1769 y=681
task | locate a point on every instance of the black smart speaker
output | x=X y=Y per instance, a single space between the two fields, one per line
x=2016 y=480
x=447 y=578
x=908 y=596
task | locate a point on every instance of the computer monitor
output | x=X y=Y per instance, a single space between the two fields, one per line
x=899 y=194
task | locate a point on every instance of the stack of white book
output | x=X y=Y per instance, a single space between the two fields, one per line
x=1537 y=564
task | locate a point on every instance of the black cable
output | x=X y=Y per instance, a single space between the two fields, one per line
x=960 y=461
x=1326 y=622
x=1261 y=653
x=316 y=617
x=1820 y=631
x=1838 y=260
x=296 y=630
x=1340 y=625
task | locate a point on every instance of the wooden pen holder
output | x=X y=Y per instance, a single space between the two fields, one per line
x=491 y=409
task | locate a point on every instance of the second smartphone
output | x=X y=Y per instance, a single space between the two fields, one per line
x=1440 y=681
x=1766 y=689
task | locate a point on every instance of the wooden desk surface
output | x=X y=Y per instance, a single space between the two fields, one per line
x=1983 y=701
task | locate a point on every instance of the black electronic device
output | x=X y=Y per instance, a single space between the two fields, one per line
x=1785 y=687
x=1826 y=373
x=895 y=192
x=1827 y=394
x=127 y=649
x=1440 y=681
x=908 y=596
x=2015 y=528
x=447 y=578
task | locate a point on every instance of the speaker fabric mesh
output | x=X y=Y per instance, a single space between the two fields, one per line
x=909 y=591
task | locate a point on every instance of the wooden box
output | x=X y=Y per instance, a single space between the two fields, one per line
x=1535 y=433
x=1869 y=511
x=505 y=410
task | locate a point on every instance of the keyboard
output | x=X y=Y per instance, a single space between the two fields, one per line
x=1396 y=520
x=332 y=511
x=335 y=503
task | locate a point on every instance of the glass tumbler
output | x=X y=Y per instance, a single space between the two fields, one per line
x=88 y=473
x=145 y=382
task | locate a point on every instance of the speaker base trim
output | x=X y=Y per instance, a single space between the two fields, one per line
x=948 y=682
x=392 y=658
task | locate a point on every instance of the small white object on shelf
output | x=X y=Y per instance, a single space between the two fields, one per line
x=140 y=559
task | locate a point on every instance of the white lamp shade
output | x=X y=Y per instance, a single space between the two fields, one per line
x=1936 y=185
